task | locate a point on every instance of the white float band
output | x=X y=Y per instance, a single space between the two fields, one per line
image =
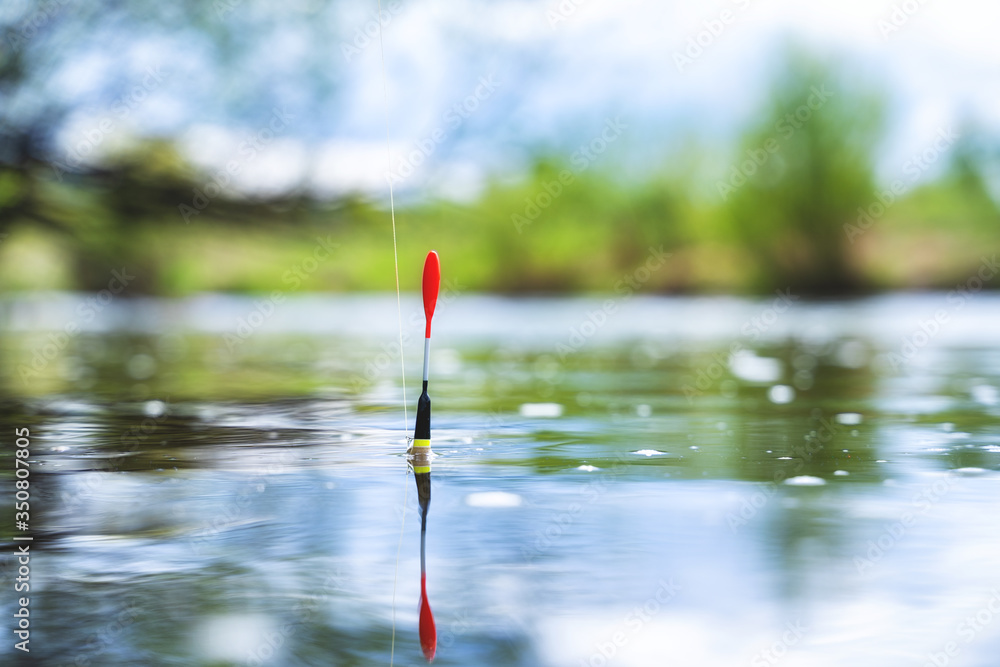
x=427 y=350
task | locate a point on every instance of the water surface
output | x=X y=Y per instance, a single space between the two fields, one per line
x=668 y=481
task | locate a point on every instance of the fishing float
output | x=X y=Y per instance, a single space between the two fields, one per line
x=422 y=453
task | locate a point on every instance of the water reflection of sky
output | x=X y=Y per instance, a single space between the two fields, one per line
x=257 y=519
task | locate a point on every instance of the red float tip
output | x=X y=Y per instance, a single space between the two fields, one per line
x=428 y=633
x=431 y=285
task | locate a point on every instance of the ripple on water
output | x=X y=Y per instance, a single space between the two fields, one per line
x=287 y=477
x=493 y=499
x=541 y=410
x=805 y=480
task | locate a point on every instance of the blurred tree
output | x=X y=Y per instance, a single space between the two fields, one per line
x=801 y=173
x=973 y=204
x=71 y=76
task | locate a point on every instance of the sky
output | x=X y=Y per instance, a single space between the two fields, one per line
x=473 y=90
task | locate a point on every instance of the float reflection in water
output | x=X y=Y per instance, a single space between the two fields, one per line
x=421 y=454
x=421 y=462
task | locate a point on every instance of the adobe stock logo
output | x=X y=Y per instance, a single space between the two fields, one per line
x=784 y=129
x=85 y=312
x=424 y=148
x=705 y=38
x=251 y=146
x=638 y=618
x=913 y=169
x=899 y=16
x=626 y=288
x=365 y=35
x=581 y=160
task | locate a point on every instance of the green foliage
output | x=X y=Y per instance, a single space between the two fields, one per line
x=778 y=216
x=808 y=167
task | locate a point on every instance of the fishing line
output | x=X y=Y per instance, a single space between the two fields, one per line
x=395 y=573
x=392 y=213
x=399 y=314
